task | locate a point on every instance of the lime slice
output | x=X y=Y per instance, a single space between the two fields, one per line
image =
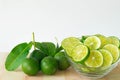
x=113 y=50
x=103 y=39
x=113 y=40
x=69 y=43
x=79 y=53
x=107 y=58
x=84 y=69
x=82 y=39
x=95 y=59
x=93 y=42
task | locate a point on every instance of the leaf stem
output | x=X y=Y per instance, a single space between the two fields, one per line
x=33 y=39
x=56 y=41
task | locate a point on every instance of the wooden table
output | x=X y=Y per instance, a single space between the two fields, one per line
x=69 y=74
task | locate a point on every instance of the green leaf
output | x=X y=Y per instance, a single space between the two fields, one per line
x=17 y=55
x=46 y=47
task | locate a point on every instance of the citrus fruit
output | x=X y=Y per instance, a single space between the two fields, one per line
x=49 y=65
x=62 y=60
x=37 y=54
x=95 y=59
x=69 y=43
x=93 y=42
x=113 y=50
x=79 y=53
x=107 y=58
x=82 y=39
x=103 y=39
x=113 y=40
x=30 y=66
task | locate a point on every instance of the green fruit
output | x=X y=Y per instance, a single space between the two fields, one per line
x=95 y=59
x=113 y=40
x=30 y=66
x=69 y=43
x=49 y=65
x=38 y=55
x=82 y=39
x=113 y=50
x=107 y=58
x=62 y=60
x=79 y=53
x=93 y=42
x=103 y=39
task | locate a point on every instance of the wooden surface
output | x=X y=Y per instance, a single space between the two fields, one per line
x=69 y=74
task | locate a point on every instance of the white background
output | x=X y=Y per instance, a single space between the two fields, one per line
x=56 y=18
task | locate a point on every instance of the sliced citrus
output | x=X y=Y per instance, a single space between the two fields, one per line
x=103 y=39
x=82 y=39
x=113 y=40
x=69 y=43
x=107 y=58
x=113 y=50
x=79 y=53
x=95 y=59
x=93 y=42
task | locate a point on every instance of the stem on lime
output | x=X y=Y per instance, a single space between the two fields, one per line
x=33 y=39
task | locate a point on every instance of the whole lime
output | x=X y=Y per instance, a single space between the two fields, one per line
x=62 y=61
x=30 y=66
x=49 y=65
x=37 y=54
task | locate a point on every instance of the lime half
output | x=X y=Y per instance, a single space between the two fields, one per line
x=113 y=50
x=69 y=43
x=113 y=40
x=93 y=42
x=107 y=58
x=95 y=59
x=79 y=53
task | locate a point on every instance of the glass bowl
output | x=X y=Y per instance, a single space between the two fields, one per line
x=92 y=73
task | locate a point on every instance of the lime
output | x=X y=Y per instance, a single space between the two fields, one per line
x=49 y=65
x=69 y=43
x=103 y=39
x=93 y=42
x=113 y=40
x=37 y=54
x=62 y=60
x=85 y=69
x=30 y=66
x=95 y=59
x=79 y=53
x=107 y=58
x=113 y=50
x=82 y=39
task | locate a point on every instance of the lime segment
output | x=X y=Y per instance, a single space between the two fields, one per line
x=93 y=42
x=95 y=59
x=113 y=50
x=79 y=53
x=107 y=58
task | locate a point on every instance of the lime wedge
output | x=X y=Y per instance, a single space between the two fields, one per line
x=93 y=42
x=69 y=43
x=113 y=50
x=95 y=59
x=79 y=53
x=113 y=40
x=107 y=58
x=103 y=39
